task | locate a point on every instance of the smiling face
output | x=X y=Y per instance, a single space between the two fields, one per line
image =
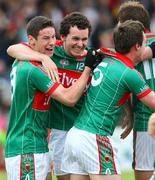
x=45 y=41
x=76 y=41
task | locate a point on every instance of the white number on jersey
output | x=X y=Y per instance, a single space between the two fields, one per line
x=94 y=81
x=13 y=80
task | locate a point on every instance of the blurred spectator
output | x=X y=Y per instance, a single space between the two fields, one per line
x=89 y=10
x=5 y=92
x=106 y=39
x=50 y=9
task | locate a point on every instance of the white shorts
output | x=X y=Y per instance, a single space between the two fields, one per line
x=87 y=153
x=144 y=151
x=28 y=166
x=56 y=149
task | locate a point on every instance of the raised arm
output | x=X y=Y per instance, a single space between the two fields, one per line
x=24 y=52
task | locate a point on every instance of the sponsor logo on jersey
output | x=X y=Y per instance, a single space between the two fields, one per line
x=27 y=166
x=68 y=77
x=64 y=62
x=107 y=158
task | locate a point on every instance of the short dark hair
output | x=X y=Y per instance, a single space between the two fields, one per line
x=127 y=34
x=135 y=11
x=38 y=23
x=74 y=19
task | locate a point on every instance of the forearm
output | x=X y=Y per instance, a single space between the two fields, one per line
x=76 y=90
x=69 y=96
x=22 y=52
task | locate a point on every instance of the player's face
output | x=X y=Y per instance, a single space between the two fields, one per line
x=76 y=41
x=45 y=41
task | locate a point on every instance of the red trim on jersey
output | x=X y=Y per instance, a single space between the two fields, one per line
x=25 y=44
x=112 y=153
x=128 y=62
x=150 y=36
x=143 y=94
x=39 y=65
x=124 y=98
x=147 y=31
x=35 y=63
x=20 y=167
x=59 y=43
x=98 y=139
x=52 y=89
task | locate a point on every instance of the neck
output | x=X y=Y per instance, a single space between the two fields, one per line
x=132 y=57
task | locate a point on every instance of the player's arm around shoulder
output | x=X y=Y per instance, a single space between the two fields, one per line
x=69 y=96
x=23 y=51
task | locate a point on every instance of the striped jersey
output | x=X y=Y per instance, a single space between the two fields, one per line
x=31 y=90
x=147 y=69
x=112 y=82
x=70 y=69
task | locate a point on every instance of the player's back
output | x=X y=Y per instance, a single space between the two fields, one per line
x=107 y=92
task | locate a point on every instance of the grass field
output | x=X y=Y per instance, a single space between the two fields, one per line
x=125 y=176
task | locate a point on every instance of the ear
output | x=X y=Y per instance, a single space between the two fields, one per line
x=137 y=47
x=63 y=38
x=32 y=40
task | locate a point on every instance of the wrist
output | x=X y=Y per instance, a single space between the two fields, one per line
x=87 y=69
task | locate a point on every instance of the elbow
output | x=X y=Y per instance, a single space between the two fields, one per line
x=70 y=103
x=9 y=50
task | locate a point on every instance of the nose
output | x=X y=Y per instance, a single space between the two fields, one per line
x=80 y=43
x=52 y=41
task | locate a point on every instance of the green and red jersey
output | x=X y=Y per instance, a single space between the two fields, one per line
x=31 y=91
x=147 y=69
x=112 y=82
x=70 y=69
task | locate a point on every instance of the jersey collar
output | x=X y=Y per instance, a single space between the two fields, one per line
x=127 y=61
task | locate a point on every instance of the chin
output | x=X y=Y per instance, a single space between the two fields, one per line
x=49 y=54
x=75 y=54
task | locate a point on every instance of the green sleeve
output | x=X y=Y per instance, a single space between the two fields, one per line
x=135 y=82
x=40 y=80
